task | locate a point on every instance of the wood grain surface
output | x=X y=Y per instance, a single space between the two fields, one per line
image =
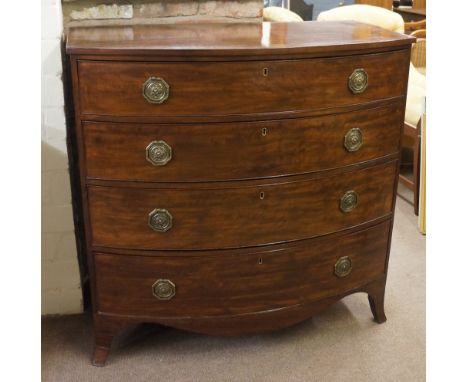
x=249 y=282
x=256 y=118
x=243 y=150
x=224 y=40
x=235 y=215
x=240 y=87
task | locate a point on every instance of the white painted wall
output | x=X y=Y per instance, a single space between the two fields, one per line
x=61 y=291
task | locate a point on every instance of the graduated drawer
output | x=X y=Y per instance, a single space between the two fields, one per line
x=243 y=150
x=235 y=215
x=238 y=282
x=116 y=88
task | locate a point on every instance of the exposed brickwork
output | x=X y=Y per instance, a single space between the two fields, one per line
x=100 y=12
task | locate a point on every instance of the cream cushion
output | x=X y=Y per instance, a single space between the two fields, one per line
x=415 y=97
x=368 y=14
x=392 y=21
x=280 y=14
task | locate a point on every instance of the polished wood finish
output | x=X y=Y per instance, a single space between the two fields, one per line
x=376 y=296
x=257 y=173
x=420 y=5
x=235 y=325
x=415 y=26
x=237 y=87
x=235 y=216
x=223 y=41
x=105 y=328
x=420 y=33
x=244 y=150
x=219 y=284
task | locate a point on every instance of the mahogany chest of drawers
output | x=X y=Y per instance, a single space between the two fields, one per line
x=235 y=178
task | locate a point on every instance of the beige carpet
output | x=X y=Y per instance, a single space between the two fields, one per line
x=342 y=344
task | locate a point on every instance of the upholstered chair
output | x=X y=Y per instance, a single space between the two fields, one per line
x=280 y=14
x=368 y=14
x=392 y=21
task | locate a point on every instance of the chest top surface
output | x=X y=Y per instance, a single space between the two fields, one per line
x=234 y=39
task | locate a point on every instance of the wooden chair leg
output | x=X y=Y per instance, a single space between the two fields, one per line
x=414 y=133
x=416 y=168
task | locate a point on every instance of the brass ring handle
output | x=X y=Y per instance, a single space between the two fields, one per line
x=164 y=289
x=160 y=220
x=358 y=81
x=343 y=266
x=349 y=201
x=353 y=139
x=158 y=153
x=156 y=90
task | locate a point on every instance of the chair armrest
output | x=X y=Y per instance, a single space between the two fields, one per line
x=415 y=25
x=420 y=33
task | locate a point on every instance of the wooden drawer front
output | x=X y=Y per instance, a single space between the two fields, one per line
x=228 y=151
x=229 y=216
x=224 y=88
x=242 y=282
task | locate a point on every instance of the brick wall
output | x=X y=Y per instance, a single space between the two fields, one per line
x=102 y=12
x=61 y=291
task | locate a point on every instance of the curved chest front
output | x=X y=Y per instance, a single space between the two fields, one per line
x=239 y=188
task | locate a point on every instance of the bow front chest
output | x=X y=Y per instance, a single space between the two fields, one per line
x=235 y=178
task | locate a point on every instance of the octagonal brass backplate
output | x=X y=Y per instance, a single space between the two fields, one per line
x=156 y=90
x=160 y=220
x=343 y=266
x=358 y=81
x=353 y=139
x=164 y=289
x=349 y=201
x=158 y=153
